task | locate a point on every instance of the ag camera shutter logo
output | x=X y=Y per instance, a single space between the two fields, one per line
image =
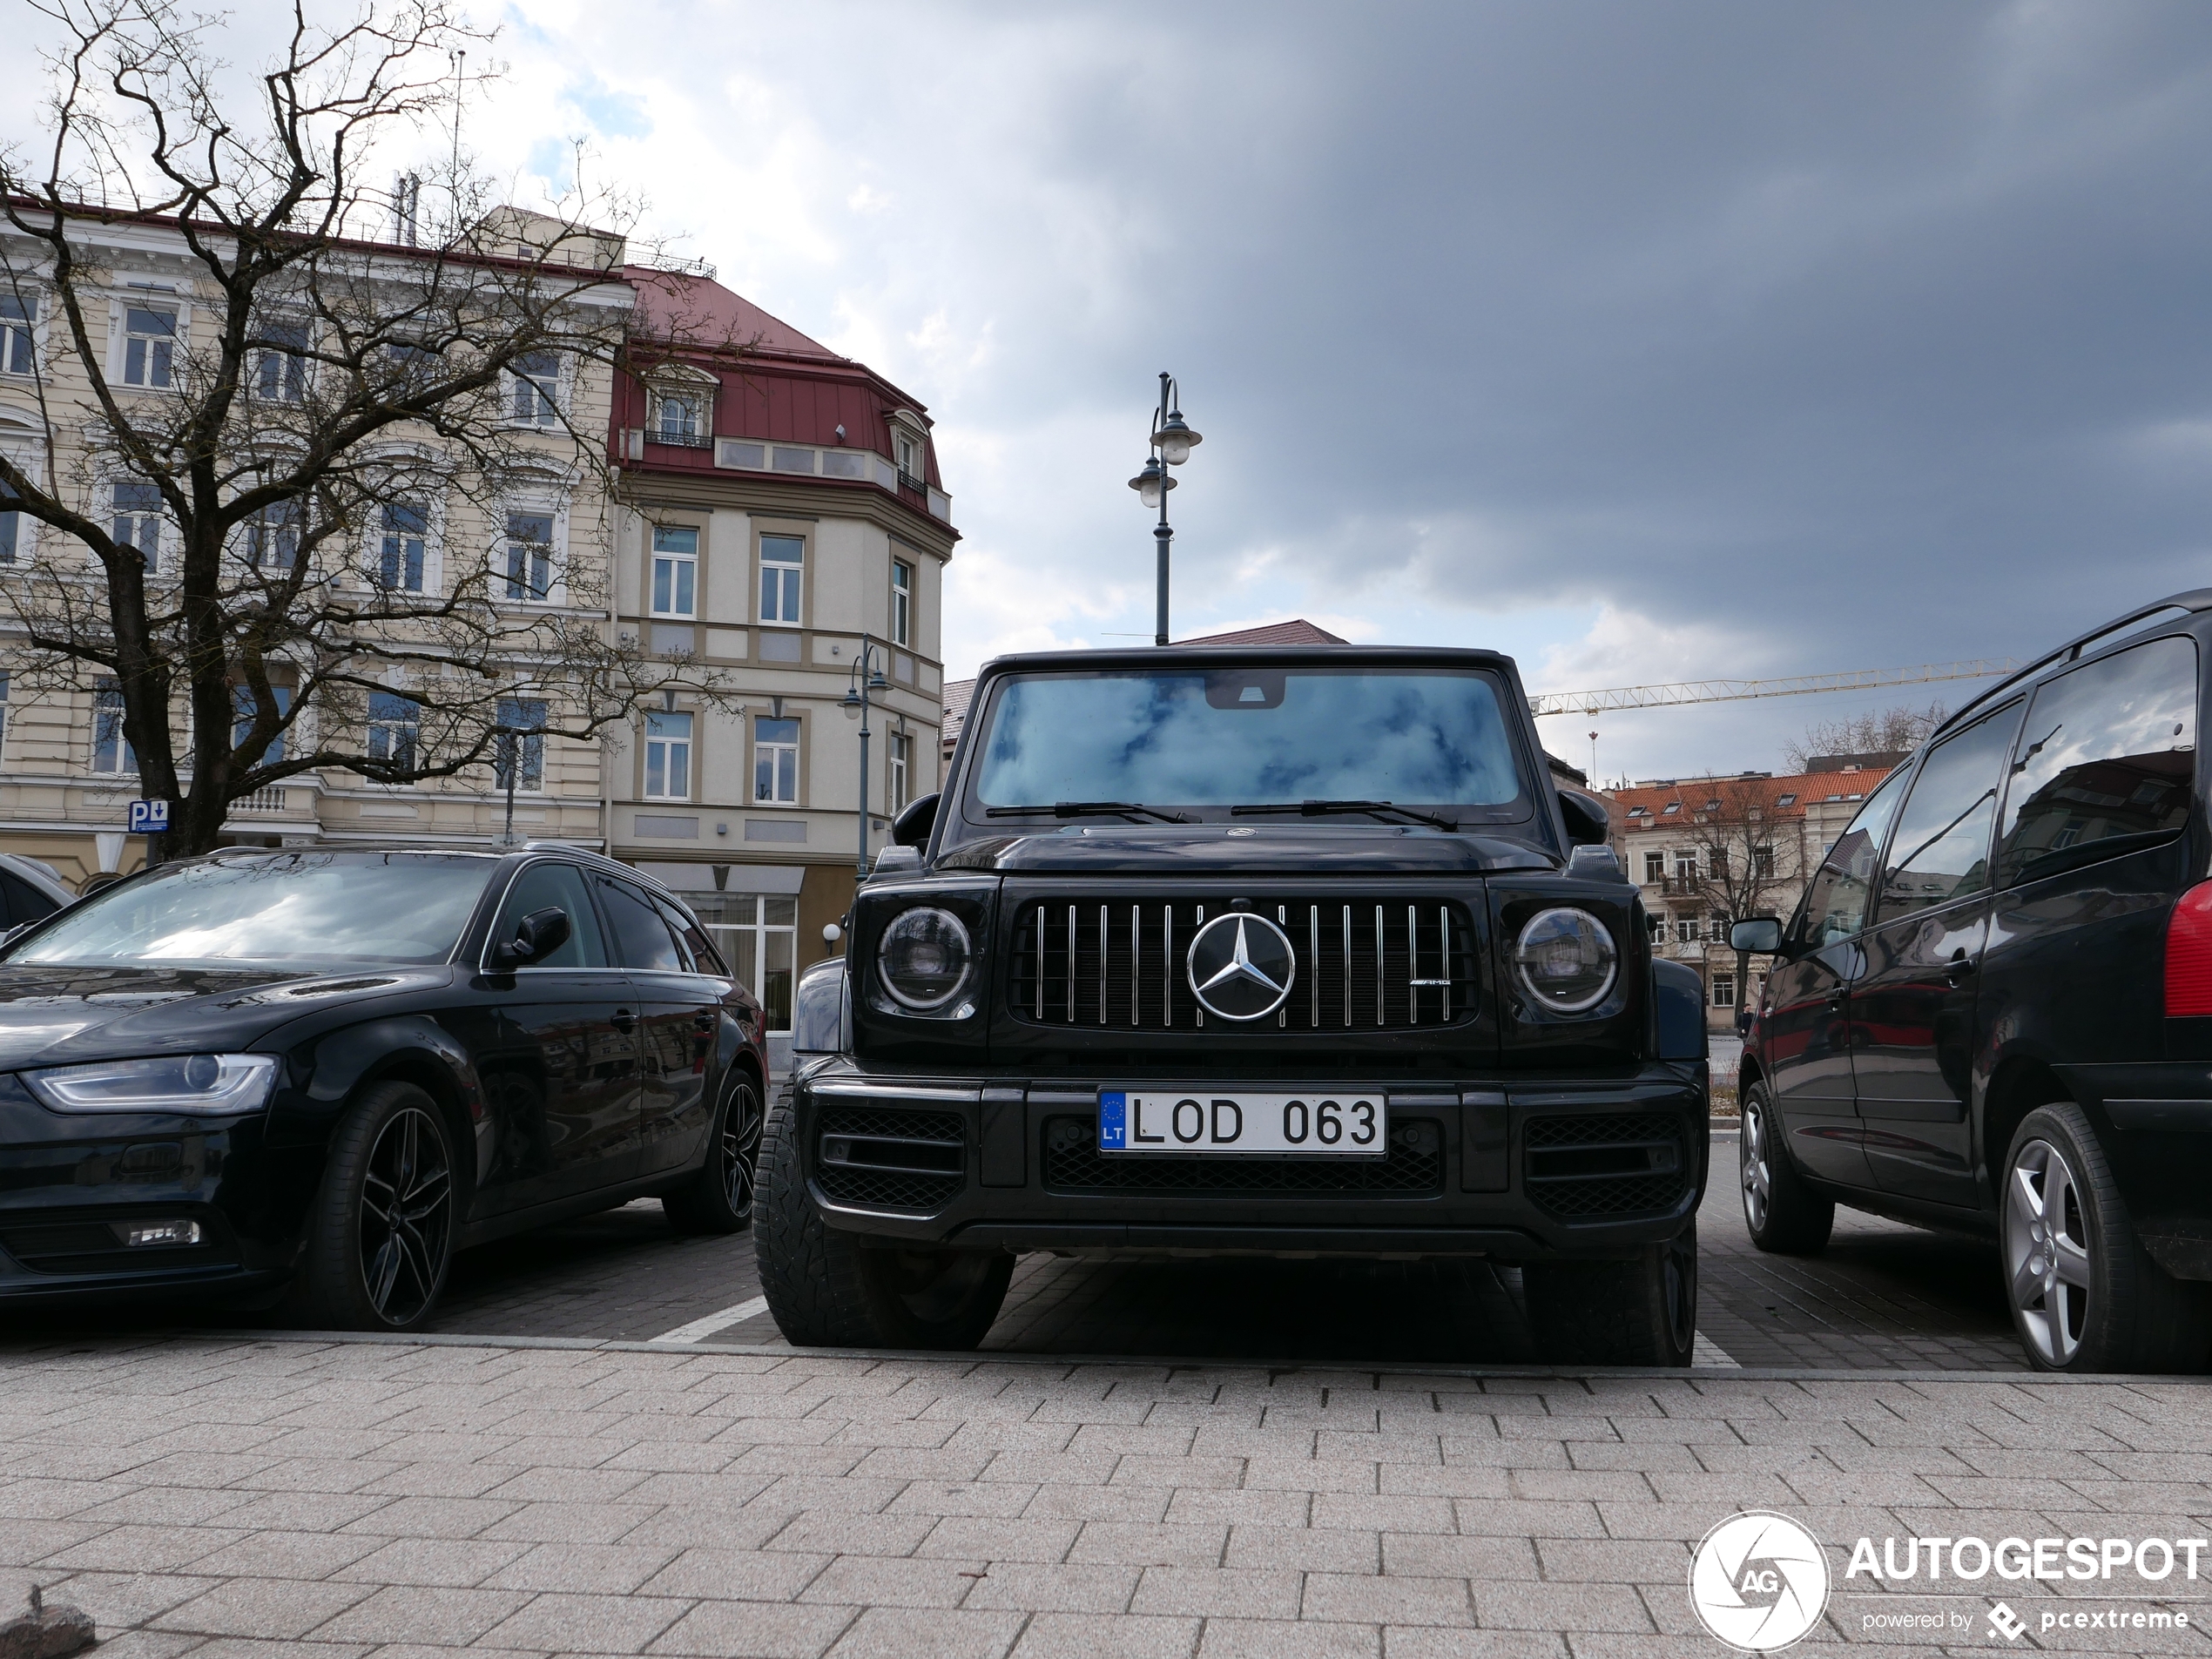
x=1759 y=1582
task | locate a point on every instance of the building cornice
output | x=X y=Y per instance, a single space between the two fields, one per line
x=642 y=487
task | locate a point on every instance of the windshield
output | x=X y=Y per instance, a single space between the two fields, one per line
x=1224 y=737
x=311 y=907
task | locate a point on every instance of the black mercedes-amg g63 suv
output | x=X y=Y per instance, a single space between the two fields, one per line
x=1291 y=951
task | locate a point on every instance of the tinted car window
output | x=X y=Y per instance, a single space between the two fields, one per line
x=24 y=902
x=1836 y=903
x=1941 y=851
x=641 y=938
x=2109 y=750
x=313 y=907
x=558 y=886
x=703 y=958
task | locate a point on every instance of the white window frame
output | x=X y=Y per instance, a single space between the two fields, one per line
x=125 y=758
x=680 y=565
x=546 y=406
x=901 y=786
x=116 y=514
x=788 y=575
x=6 y=679
x=530 y=779
x=380 y=533
x=1724 y=990
x=1655 y=866
x=413 y=757
x=257 y=534
x=1687 y=930
x=1685 y=866
x=783 y=758
x=669 y=752
x=264 y=357
x=542 y=504
x=903 y=602
x=680 y=386
x=25 y=337
x=119 y=336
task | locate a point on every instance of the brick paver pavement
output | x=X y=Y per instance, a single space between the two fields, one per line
x=301 y=1496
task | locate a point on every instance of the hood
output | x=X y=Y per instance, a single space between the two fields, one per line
x=54 y=1014
x=1232 y=849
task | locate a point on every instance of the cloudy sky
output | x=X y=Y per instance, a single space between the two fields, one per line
x=1647 y=342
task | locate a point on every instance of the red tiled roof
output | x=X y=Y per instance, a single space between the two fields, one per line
x=1297 y=631
x=1690 y=795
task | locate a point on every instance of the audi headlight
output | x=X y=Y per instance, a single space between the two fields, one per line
x=203 y=1084
x=1567 y=960
x=924 y=959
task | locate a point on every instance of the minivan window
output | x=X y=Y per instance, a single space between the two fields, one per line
x=1941 y=851
x=1836 y=903
x=2108 y=754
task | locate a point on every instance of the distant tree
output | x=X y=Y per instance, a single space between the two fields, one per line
x=260 y=609
x=1747 y=852
x=1897 y=730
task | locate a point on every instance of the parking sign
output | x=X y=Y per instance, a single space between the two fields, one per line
x=149 y=818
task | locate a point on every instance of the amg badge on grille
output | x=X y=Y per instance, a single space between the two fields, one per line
x=1241 y=966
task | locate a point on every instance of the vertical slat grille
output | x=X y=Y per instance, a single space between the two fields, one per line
x=1118 y=965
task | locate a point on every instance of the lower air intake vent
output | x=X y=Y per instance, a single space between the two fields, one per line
x=890 y=1160
x=1582 y=1169
x=1074 y=1163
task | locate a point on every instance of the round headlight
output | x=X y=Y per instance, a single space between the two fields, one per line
x=1567 y=960
x=924 y=958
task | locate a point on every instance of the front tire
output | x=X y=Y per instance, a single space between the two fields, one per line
x=380 y=1231
x=826 y=1290
x=719 y=1198
x=2086 y=1296
x=1642 y=1311
x=1782 y=1213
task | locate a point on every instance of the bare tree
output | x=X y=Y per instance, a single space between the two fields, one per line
x=1897 y=730
x=1748 y=851
x=236 y=488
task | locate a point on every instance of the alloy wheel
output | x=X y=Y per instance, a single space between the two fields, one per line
x=1758 y=1178
x=405 y=1215
x=741 y=1150
x=2046 y=1251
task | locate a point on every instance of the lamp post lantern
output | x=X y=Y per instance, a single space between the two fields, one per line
x=1172 y=441
x=867 y=676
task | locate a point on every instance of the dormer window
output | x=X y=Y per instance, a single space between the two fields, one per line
x=1673 y=807
x=680 y=410
x=1785 y=800
x=909 y=448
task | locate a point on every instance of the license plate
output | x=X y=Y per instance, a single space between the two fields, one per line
x=1336 y=1124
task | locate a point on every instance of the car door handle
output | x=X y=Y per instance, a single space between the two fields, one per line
x=624 y=1019
x=1960 y=967
x=706 y=1020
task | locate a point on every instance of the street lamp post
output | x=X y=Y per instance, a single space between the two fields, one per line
x=867 y=676
x=1172 y=441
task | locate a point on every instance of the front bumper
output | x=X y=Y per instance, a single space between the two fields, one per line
x=1514 y=1167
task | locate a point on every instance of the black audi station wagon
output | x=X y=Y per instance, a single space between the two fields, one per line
x=1292 y=952
x=316 y=1074
x=1992 y=1011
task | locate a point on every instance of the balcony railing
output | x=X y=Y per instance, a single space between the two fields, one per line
x=678 y=438
x=260 y=803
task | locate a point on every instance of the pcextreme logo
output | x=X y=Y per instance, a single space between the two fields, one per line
x=1759 y=1582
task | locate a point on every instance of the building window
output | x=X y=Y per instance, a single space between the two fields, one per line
x=683 y=416
x=909 y=453
x=537 y=378
x=1670 y=809
x=1685 y=866
x=1655 y=924
x=111 y=751
x=272 y=537
x=1724 y=990
x=1685 y=930
x=1785 y=800
x=1717 y=928
x=676 y=572
x=4 y=710
x=901 y=770
x=280 y=371
x=1655 y=866
x=522 y=720
x=149 y=346
x=394 y=728
x=668 y=756
x=529 y=556
x=138 y=520
x=10 y=527
x=902 y=603
x=782 y=561
x=246 y=709
x=760 y=933
x=407 y=530
x=775 y=761
x=19 y=321
x=1762 y=859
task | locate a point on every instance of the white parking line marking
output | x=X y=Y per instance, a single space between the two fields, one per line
x=1704 y=1351
x=699 y=1329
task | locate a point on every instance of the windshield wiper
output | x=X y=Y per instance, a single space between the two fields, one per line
x=1333 y=808
x=1090 y=809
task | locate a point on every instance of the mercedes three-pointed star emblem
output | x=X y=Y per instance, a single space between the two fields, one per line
x=1241 y=966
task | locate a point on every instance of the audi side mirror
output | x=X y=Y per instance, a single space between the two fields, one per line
x=914 y=821
x=1761 y=935
x=1585 y=819
x=537 y=936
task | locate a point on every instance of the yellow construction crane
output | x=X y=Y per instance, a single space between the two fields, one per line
x=1655 y=696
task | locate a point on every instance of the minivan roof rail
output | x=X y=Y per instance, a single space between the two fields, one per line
x=2193 y=599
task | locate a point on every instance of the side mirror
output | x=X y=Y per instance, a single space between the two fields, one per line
x=1762 y=935
x=914 y=823
x=537 y=936
x=1586 y=825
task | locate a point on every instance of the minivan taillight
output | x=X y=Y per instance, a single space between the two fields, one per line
x=2189 y=955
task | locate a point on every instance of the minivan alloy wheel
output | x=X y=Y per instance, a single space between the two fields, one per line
x=405 y=1213
x=2047 y=1267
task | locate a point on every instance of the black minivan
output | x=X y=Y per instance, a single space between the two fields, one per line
x=1992 y=1009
